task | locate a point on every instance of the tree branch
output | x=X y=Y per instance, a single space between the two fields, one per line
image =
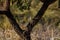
x=8 y=13
x=40 y=13
x=36 y=19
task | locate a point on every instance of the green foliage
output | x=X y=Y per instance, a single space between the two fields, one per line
x=22 y=4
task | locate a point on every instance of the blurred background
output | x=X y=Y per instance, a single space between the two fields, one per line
x=24 y=11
